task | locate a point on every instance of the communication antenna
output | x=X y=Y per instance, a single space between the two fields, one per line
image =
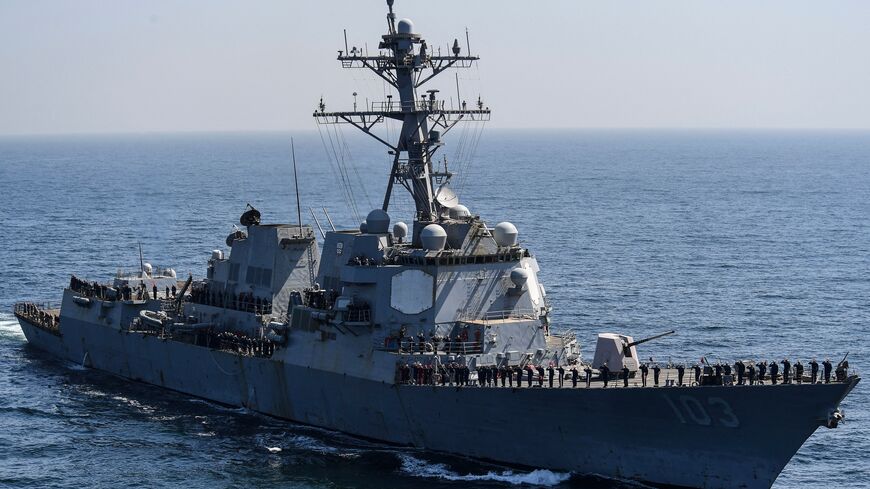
x=141 y=261
x=322 y=234
x=458 y=98
x=296 y=182
x=467 y=42
x=329 y=219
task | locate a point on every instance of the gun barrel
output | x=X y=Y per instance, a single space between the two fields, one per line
x=635 y=343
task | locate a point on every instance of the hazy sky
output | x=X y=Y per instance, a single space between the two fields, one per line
x=205 y=65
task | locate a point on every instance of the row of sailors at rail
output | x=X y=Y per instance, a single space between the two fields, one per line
x=125 y=292
x=239 y=343
x=38 y=316
x=243 y=301
x=491 y=376
x=461 y=342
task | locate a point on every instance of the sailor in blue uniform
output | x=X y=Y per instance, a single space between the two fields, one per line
x=604 y=372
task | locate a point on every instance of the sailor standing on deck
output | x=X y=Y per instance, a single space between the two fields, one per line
x=604 y=373
x=588 y=371
x=656 y=371
x=540 y=376
x=774 y=369
x=550 y=372
x=786 y=371
x=644 y=372
x=681 y=370
x=154 y=290
x=561 y=375
x=741 y=371
x=625 y=376
x=799 y=372
x=762 y=368
x=697 y=369
x=814 y=370
x=751 y=374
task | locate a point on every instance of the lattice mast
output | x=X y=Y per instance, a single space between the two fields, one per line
x=406 y=62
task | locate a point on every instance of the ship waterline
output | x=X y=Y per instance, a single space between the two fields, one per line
x=701 y=436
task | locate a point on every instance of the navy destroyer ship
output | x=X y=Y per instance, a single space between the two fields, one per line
x=436 y=335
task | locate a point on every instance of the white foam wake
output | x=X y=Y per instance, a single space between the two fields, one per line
x=9 y=327
x=420 y=468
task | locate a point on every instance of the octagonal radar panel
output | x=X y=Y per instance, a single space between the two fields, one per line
x=412 y=291
x=446 y=197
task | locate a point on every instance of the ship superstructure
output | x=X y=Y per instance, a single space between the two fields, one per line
x=436 y=335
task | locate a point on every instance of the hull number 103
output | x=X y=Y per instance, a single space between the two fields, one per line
x=716 y=410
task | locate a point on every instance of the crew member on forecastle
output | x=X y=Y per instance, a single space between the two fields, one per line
x=741 y=372
x=604 y=373
x=774 y=370
x=786 y=371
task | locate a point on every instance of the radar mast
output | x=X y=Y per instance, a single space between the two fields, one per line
x=406 y=62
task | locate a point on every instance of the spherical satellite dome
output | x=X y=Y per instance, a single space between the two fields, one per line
x=378 y=222
x=519 y=276
x=505 y=234
x=400 y=230
x=433 y=237
x=405 y=26
x=364 y=227
x=459 y=212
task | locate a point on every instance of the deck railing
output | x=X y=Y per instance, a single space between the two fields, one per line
x=44 y=315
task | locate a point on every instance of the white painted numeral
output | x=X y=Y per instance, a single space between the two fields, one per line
x=692 y=411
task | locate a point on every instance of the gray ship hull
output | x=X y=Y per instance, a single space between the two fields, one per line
x=656 y=435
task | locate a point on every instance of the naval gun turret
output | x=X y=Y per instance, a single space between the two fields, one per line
x=620 y=351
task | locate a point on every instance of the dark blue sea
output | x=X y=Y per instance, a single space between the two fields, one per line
x=749 y=244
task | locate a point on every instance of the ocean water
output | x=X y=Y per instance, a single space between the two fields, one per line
x=749 y=244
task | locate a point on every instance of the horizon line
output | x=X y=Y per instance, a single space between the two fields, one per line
x=169 y=132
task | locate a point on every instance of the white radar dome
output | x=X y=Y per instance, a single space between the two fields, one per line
x=433 y=237
x=459 y=212
x=378 y=222
x=505 y=234
x=405 y=26
x=400 y=230
x=519 y=276
x=147 y=268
